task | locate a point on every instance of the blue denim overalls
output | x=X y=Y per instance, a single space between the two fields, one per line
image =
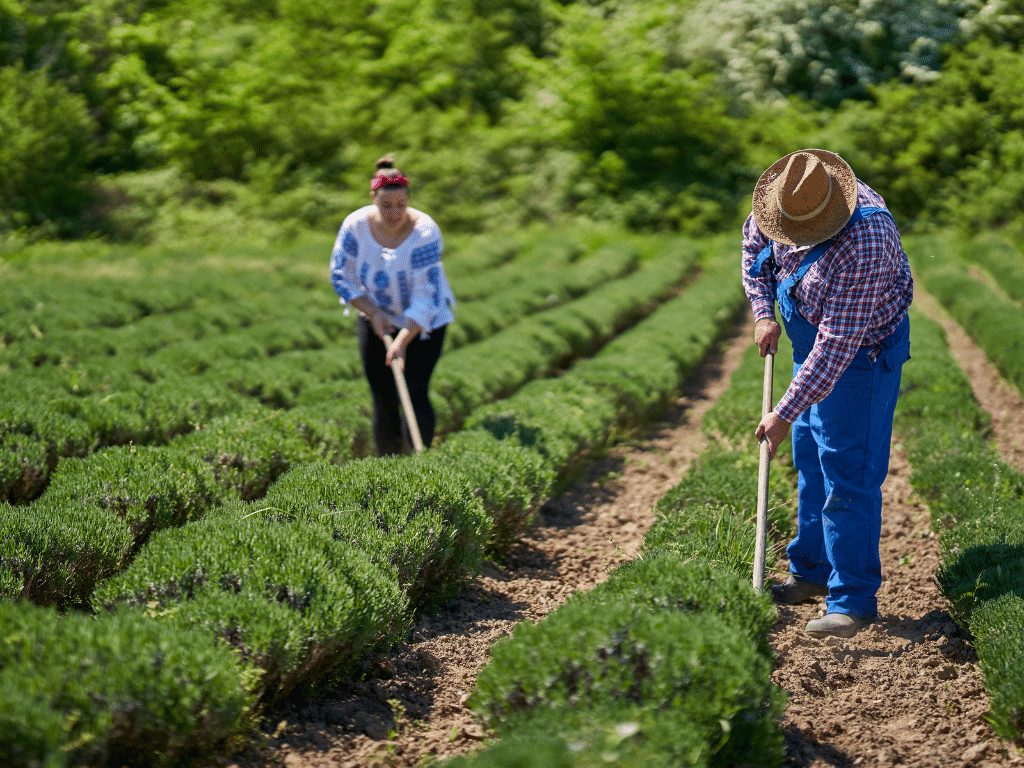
x=841 y=453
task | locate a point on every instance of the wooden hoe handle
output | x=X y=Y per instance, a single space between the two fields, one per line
x=403 y=396
x=761 y=537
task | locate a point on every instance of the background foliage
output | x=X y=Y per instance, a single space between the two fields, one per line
x=149 y=119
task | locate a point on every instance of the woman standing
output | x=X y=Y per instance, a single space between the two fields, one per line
x=387 y=264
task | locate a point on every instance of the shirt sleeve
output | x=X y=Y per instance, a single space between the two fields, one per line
x=857 y=286
x=760 y=289
x=428 y=281
x=344 y=274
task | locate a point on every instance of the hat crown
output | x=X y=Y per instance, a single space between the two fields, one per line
x=805 y=187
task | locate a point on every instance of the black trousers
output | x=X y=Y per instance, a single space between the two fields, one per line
x=390 y=433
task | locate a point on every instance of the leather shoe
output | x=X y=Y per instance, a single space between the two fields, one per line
x=796 y=590
x=837 y=625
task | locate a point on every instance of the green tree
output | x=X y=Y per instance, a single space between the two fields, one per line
x=45 y=140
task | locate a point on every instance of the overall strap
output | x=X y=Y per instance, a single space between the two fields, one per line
x=784 y=292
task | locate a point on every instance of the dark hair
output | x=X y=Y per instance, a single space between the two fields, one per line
x=386 y=168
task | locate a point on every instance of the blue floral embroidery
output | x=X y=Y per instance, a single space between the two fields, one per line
x=381 y=279
x=404 y=291
x=364 y=272
x=434 y=278
x=383 y=299
x=426 y=255
x=350 y=244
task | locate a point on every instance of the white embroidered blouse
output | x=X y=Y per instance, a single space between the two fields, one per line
x=407 y=282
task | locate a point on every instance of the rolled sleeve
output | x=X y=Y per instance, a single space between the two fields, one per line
x=344 y=267
x=760 y=289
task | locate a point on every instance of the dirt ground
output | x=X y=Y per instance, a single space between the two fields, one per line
x=907 y=691
x=412 y=708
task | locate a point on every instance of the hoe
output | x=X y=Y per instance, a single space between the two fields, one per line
x=403 y=396
x=761 y=537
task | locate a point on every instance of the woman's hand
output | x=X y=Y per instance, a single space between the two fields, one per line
x=766 y=335
x=773 y=429
x=380 y=323
x=396 y=352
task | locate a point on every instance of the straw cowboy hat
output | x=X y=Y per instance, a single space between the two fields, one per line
x=805 y=198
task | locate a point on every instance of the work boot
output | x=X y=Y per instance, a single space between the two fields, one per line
x=796 y=590
x=837 y=625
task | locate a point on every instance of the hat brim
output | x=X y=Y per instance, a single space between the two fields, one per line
x=770 y=219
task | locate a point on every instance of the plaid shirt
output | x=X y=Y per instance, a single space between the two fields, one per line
x=856 y=294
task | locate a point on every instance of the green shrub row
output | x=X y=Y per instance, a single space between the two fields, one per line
x=997 y=324
x=74 y=402
x=171 y=304
x=246 y=450
x=668 y=662
x=545 y=287
x=136 y=297
x=546 y=253
x=117 y=689
x=295 y=601
x=977 y=504
x=330 y=563
x=631 y=378
x=537 y=343
x=1000 y=256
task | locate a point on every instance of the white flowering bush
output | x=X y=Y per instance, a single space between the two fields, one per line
x=829 y=51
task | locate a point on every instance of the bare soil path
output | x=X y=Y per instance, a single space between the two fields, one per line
x=907 y=691
x=411 y=709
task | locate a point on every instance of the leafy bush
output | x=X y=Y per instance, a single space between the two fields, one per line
x=78 y=690
x=510 y=480
x=149 y=488
x=819 y=50
x=293 y=600
x=594 y=653
x=44 y=151
x=55 y=550
x=417 y=517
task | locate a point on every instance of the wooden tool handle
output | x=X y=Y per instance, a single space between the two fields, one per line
x=403 y=396
x=761 y=536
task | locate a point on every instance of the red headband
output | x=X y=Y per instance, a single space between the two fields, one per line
x=388 y=181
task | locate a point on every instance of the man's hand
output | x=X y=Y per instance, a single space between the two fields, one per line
x=766 y=335
x=774 y=430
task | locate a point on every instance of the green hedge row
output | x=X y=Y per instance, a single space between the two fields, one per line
x=240 y=455
x=542 y=288
x=331 y=562
x=631 y=378
x=105 y=392
x=977 y=504
x=103 y=288
x=1002 y=259
x=533 y=345
x=996 y=323
x=117 y=689
x=668 y=662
